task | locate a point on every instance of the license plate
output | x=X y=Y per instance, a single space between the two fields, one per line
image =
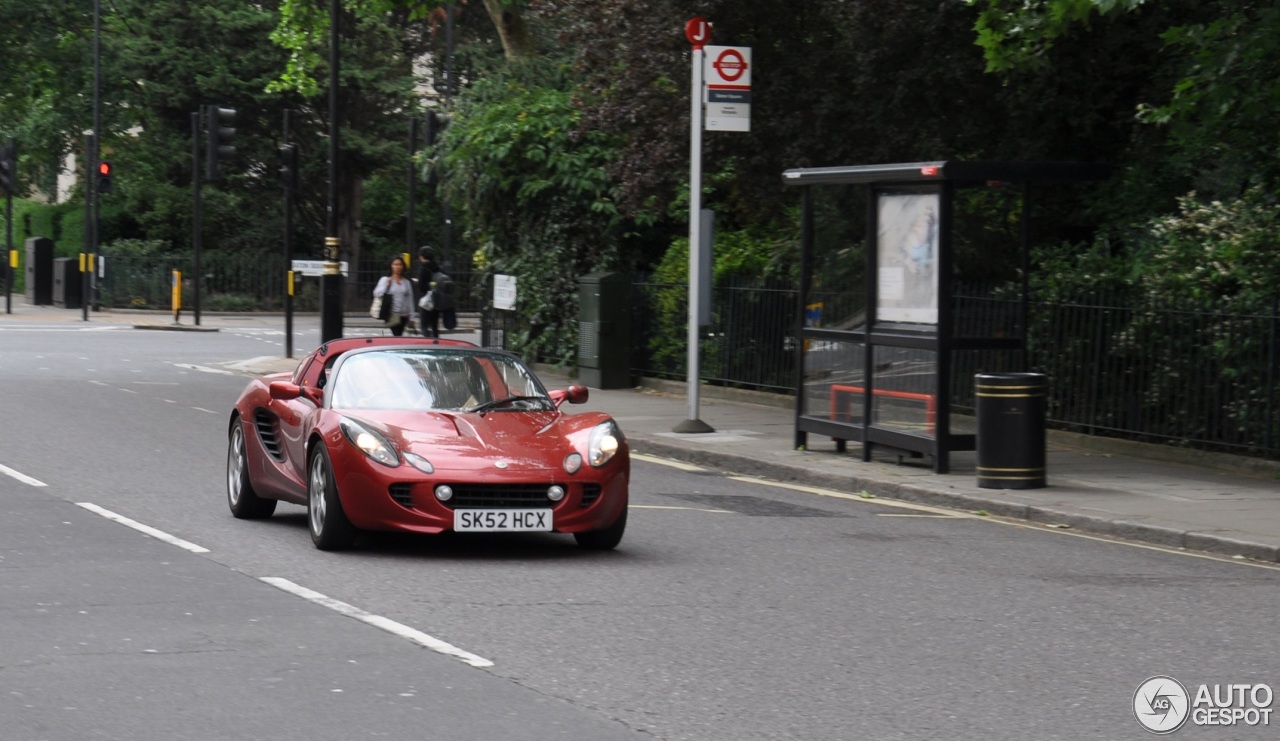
x=501 y=520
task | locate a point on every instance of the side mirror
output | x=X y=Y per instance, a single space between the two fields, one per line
x=284 y=391
x=578 y=394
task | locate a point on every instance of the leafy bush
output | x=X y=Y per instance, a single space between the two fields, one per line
x=535 y=198
x=751 y=258
x=230 y=302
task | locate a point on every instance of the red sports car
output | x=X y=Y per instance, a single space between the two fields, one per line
x=425 y=435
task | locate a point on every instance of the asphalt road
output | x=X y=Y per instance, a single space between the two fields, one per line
x=733 y=610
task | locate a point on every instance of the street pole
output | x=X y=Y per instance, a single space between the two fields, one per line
x=697 y=36
x=291 y=162
x=8 y=247
x=409 y=238
x=196 y=226
x=446 y=210
x=331 y=281
x=90 y=180
x=91 y=295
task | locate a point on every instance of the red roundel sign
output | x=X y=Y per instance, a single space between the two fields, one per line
x=730 y=65
x=698 y=31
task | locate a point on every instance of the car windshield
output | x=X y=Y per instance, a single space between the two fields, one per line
x=431 y=379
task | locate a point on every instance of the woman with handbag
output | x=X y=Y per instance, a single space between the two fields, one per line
x=395 y=291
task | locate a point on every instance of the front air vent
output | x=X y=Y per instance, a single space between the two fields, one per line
x=268 y=432
x=403 y=494
x=590 y=493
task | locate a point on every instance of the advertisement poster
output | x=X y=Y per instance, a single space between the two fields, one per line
x=907 y=253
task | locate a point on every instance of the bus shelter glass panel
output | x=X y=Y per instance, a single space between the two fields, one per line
x=904 y=396
x=831 y=369
x=837 y=291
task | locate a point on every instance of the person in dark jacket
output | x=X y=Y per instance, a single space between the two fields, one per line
x=428 y=319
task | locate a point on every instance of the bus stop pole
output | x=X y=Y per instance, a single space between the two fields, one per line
x=693 y=424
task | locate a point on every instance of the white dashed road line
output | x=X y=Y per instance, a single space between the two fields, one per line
x=157 y=534
x=377 y=621
x=204 y=369
x=21 y=476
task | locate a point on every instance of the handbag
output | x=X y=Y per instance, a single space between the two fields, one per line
x=384 y=311
x=375 y=309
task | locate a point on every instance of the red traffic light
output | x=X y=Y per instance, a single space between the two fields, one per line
x=104 y=169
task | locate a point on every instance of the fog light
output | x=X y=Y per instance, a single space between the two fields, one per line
x=444 y=492
x=555 y=493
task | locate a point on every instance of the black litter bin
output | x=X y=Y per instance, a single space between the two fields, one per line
x=1010 y=442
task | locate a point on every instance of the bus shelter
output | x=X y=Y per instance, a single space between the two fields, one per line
x=886 y=331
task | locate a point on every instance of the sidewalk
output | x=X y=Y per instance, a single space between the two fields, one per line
x=1131 y=496
x=1177 y=498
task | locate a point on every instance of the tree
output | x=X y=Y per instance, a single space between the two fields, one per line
x=537 y=202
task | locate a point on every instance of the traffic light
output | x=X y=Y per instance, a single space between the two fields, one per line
x=220 y=132
x=9 y=168
x=289 y=166
x=104 y=176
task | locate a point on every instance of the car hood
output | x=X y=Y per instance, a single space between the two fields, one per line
x=532 y=441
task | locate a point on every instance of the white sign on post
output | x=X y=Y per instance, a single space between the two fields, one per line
x=313 y=268
x=727 y=70
x=504 y=292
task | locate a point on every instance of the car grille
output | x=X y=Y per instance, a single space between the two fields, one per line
x=498 y=495
x=590 y=493
x=265 y=423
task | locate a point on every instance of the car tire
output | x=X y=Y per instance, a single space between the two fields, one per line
x=244 y=502
x=606 y=539
x=328 y=523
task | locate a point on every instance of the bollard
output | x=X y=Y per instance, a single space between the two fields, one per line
x=176 y=295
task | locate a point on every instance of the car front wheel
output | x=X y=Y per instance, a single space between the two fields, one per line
x=244 y=501
x=606 y=539
x=330 y=528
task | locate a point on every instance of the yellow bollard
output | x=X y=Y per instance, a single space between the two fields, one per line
x=177 y=295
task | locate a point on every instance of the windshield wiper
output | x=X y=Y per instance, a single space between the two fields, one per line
x=490 y=405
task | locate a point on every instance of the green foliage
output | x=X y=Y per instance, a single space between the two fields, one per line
x=536 y=200
x=1015 y=33
x=1222 y=112
x=63 y=223
x=230 y=302
x=1214 y=250
x=755 y=257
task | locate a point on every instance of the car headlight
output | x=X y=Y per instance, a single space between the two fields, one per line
x=572 y=463
x=418 y=462
x=370 y=443
x=603 y=445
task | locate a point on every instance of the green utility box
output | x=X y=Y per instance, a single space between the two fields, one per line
x=604 y=330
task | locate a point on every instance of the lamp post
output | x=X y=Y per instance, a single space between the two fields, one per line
x=93 y=153
x=331 y=281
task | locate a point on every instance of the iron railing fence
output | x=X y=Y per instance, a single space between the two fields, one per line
x=1202 y=375
x=243 y=281
x=1206 y=375
x=749 y=343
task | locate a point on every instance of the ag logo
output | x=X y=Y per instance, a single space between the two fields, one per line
x=1161 y=705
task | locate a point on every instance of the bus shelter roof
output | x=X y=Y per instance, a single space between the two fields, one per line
x=960 y=172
